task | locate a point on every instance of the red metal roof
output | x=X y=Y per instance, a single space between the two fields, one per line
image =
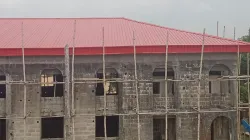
x=48 y=36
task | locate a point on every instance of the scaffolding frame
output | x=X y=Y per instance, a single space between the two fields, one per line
x=73 y=80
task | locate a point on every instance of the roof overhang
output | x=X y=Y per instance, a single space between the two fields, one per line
x=154 y=49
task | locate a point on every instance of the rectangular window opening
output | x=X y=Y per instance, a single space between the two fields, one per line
x=2 y=129
x=159 y=128
x=53 y=127
x=210 y=88
x=215 y=86
x=50 y=89
x=173 y=88
x=111 y=87
x=112 y=126
x=217 y=73
x=156 y=87
x=221 y=86
x=2 y=87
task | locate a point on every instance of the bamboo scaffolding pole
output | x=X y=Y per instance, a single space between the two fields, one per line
x=199 y=84
x=96 y=80
x=104 y=85
x=166 y=88
x=234 y=33
x=115 y=81
x=248 y=89
x=136 y=91
x=67 y=92
x=224 y=31
x=240 y=97
x=128 y=114
x=246 y=104
x=237 y=95
x=24 y=87
x=217 y=28
x=73 y=84
x=243 y=107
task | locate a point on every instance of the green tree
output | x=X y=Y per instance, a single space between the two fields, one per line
x=243 y=71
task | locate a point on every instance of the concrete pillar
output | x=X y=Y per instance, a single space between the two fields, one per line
x=177 y=96
x=8 y=104
x=67 y=118
x=178 y=128
x=233 y=125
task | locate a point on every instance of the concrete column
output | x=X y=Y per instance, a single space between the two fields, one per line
x=178 y=128
x=233 y=125
x=177 y=96
x=8 y=104
x=67 y=118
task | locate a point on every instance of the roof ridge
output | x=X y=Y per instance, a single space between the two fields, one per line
x=212 y=36
x=64 y=18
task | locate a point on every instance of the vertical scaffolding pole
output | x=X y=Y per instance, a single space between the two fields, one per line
x=104 y=85
x=136 y=91
x=234 y=33
x=217 y=28
x=248 y=90
x=238 y=93
x=67 y=93
x=24 y=88
x=73 y=84
x=166 y=88
x=224 y=31
x=199 y=84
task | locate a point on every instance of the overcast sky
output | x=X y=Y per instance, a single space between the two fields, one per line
x=190 y=15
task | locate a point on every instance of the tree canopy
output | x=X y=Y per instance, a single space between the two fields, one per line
x=243 y=71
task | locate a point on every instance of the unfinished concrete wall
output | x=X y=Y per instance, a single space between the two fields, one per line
x=88 y=105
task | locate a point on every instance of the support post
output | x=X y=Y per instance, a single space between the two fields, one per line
x=248 y=89
x=224 y=31
x=24 y=86
x=238 y=93
x=217 y=28
x=73 y=84
x=136 y=91
x=66 y=94
x=104 y=85
x=199 y=84
x=166 y=88
x=234 y=33
x=8 y=108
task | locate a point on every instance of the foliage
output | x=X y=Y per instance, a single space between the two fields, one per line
x=245 y=38
x=243 y=71
x=243 y=93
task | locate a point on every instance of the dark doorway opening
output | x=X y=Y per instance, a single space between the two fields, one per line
x=112 y=126
x=2 y=129
x=159 y=128
x=220 y=128
x=2 y=87
x=52 y=127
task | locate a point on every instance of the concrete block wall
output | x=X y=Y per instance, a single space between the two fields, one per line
x=3 y=107
x=86 y=103
x=188 y=124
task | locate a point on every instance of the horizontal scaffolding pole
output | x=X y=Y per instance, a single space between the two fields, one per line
x=117 y=114
x=114 y=81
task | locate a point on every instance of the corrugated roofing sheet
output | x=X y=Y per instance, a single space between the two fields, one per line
x=52 y=34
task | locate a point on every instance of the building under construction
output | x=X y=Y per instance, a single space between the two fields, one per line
x=116 y=79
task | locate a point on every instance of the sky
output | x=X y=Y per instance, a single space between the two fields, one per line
x=189 y=15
